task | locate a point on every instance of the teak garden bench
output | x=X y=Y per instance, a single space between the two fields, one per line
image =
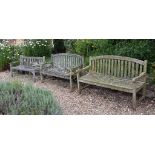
x=116 y=72
x=28 y=64
x=63 y=65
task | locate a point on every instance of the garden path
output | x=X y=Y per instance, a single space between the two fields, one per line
x=92 y=100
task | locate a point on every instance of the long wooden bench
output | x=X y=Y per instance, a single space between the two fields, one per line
x=63 y=65
x=28 y=64
x=115 y=72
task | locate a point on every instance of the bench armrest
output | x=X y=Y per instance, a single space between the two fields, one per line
x=45 y=65
x=83 y=69
x=141 y=76
x=15 y=63
x=74 y=69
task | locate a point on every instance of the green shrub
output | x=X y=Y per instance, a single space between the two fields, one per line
x=18 y=99
x=8 y=53
x=70 y=45
x=41 y=47
x=140 y=49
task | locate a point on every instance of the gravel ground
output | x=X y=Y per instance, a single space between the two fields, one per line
x=92 y=100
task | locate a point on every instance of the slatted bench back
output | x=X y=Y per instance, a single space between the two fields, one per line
x=118 y=66
x=67 y=60
x=30 y=61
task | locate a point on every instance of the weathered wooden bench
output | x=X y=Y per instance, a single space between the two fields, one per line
x=28 y=64
x=63 y=65
x=115 y=72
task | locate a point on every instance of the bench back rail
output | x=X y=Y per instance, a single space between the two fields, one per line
x=118 y=66
x=30 y=61
x=67 y=60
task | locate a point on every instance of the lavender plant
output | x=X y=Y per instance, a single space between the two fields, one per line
x=19 y=99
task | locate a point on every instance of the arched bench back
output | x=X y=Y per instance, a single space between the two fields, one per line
x=119 y=66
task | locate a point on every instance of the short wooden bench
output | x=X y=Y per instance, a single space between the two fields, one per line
x=63 y=65
x=28 y=64
x=115 y=72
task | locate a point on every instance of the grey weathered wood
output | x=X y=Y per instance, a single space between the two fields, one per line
x=119 y=73
x=63 y=65
x=28 y=64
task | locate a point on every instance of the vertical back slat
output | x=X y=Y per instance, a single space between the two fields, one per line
x=96 y=66
x=103 y=66
x=115 y=67
x=125 y=69
x=129 y=69
x=133 y=69
x=109 y=67
x=145 y=66
x=106 y=66
x=122 y=68
x=93 y=66
x=119 y=68
x=137 y=68
x=112 y=65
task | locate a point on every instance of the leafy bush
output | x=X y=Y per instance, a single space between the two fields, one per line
x=18 y=99
x=41 y=47
x=8 y=53
x=70 y=45
x=140 y=49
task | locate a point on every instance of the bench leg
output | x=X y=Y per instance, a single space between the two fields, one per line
x=41 y=77
x=134 y=100
x=71 y=84
x=78 y=84
x=34 y=77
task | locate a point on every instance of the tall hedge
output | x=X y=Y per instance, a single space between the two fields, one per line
x=140 y=49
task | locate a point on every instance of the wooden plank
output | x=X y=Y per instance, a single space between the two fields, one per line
x=100 y=65
x=112 y=65
x=109 y=66
x=133 y=69
x=103 y=66
x=122 y=68
x=137 y=68
x=129 y=69
x=97 y=66
x=106 y=66
x=145 y=66
x=119 y=68
x=115 y=67
x=125 y=69
x=93 y=65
